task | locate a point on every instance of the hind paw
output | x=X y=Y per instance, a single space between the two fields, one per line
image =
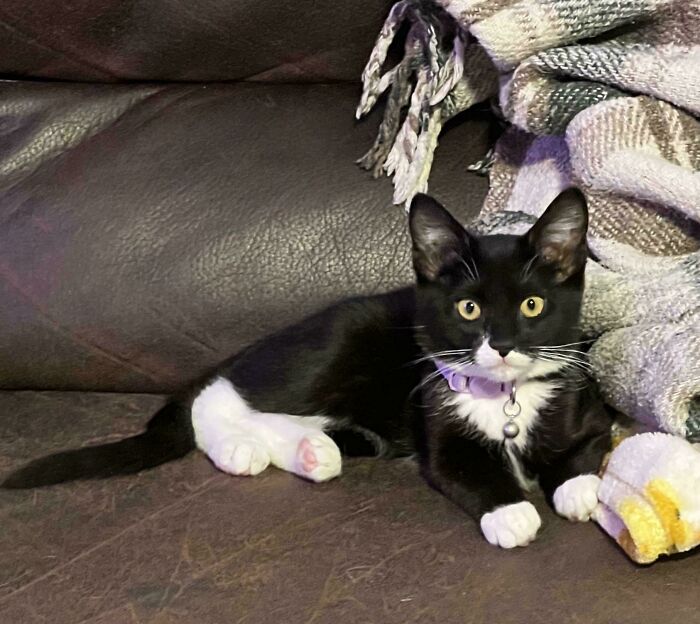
x=241 y=457
x=318 y=458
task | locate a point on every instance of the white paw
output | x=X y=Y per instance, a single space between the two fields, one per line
x=576 y=498
x=511 y=525
x=240 y=456
x=318 y=458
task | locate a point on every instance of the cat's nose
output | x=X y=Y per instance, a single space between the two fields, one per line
x=503 y=347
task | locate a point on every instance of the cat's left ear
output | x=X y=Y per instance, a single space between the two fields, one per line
x=559 y=235
x=439 y=241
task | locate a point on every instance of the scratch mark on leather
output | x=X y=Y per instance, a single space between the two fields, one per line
x=211 y=563
x=327 y=595
x=210 y=483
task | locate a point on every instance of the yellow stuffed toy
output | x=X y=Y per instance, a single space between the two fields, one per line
x=650 y=496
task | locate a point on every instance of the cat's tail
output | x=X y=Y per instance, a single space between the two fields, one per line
x=167 y=437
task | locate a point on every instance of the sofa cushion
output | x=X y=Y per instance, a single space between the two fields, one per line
x=151 y=231
x=186 y=544
x=113 y=40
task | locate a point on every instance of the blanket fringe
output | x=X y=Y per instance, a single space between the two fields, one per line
x=426 y=88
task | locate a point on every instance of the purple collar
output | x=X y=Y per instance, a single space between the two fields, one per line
x=479 y=387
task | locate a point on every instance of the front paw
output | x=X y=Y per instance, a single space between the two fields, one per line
x=511 y=525
x=576 y=498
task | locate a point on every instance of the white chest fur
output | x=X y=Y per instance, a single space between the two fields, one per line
x=486 y=414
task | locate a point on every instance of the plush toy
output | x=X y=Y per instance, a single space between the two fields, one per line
x=650 y=496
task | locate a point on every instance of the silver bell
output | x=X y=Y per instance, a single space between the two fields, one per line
x=511 y=430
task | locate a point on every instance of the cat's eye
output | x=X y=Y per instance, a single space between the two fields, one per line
x=468 y=309
x=532 y=307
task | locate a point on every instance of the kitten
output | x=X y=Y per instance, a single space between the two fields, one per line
x=475 y=369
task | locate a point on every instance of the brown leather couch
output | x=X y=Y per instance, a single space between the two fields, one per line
x=176 y=180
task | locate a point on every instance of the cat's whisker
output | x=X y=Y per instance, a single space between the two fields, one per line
x=572 y=353
x=575 y=382
x=562 y=350
x=568 y=344
x=577 y=352
x=525 y=273
x=574 y=366
x=449 y=352
x=579 y=357
x=472 y=271
x=427 y=379
x=476 y=268
x=440 y=354
x=582 y=355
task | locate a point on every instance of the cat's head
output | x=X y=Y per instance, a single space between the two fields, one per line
x=505 y=306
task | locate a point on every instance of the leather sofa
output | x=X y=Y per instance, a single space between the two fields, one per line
x=176 y=180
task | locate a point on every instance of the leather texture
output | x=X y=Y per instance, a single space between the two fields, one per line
x=150 y=231
x=186 y=544
x=176 y=40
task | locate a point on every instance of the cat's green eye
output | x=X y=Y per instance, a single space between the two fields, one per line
x=468 y=309
x=532 y=307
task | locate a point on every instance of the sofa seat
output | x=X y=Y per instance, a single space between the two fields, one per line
x=187 y=544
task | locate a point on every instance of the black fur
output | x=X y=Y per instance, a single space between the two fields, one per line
x=168 y=436
x=364 y=363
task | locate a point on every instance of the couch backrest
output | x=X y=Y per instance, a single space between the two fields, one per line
x=149 y=231
x=202 y=40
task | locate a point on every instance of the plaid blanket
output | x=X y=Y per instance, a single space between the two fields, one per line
x=603 y=94
x=617 y=82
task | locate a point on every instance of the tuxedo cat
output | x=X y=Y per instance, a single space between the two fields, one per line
x=476 y=370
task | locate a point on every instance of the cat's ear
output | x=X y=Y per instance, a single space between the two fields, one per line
x=438 y=238
x=559 y=235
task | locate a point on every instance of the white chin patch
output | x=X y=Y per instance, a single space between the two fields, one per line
x=486 y=357
x=489 y=363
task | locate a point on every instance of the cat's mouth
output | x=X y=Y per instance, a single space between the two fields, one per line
x=521 y=367
x=492 y=366
x=503 y=372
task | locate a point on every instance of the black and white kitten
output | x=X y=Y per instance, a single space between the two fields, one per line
x=475 y=369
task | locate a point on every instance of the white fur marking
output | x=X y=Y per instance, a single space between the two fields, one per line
x=486 y=414
x=242 y=441
x=515 y=366
x=518 y=472
x=511 y=525
x=576 y=498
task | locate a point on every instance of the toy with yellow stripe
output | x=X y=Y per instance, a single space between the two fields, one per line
x=650 y=496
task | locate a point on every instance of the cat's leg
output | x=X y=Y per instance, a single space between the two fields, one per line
x=223 y=429
x=571 y=484
x=298 y=444
x=242 y=441
x=479 y=482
